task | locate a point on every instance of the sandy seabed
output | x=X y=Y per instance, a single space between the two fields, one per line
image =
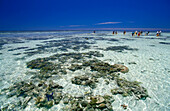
x=147 y=58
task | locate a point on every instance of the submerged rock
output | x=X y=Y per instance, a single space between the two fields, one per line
x=75 y=67
x=26 y=100
x=66 y=99
x=96 y=100
x=122 y=68
x=91 y=103
x=84 y=80
x=128 y=88
x=120 y=48
x=101 y=106
x=117 y=91
x=42 y=92
x=40 y=102
x=105 y=67
x=41 y=64
x=20 y=89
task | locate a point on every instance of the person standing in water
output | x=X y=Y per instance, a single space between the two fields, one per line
x=132 y=33
x=113 y=33
x=147 y=33
x=136 y=32
x=94 y=31
x=158 y=33
x=139 y=33
x=124 y=32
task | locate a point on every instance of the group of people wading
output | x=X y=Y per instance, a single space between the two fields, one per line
x=136 y=33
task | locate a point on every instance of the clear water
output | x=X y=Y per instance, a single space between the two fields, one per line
x=152 y=64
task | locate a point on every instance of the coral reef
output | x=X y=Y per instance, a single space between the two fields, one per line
x=46 y=93
x=84 y=80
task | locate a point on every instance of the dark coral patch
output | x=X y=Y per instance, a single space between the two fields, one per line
x=120 y=48
x=166 y=43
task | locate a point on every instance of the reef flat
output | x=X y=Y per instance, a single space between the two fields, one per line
x=70 y=71
x=46 y=94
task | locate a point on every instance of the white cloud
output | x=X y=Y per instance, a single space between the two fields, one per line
x=104 y=23
x=73 y=26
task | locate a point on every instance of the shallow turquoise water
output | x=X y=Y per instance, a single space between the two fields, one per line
x=148 y=64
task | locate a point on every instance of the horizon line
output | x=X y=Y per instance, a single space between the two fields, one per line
x=91 y=29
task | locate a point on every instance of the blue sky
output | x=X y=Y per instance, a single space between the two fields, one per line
x=83 y=14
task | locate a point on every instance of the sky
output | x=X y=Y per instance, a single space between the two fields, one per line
x=83 y=14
